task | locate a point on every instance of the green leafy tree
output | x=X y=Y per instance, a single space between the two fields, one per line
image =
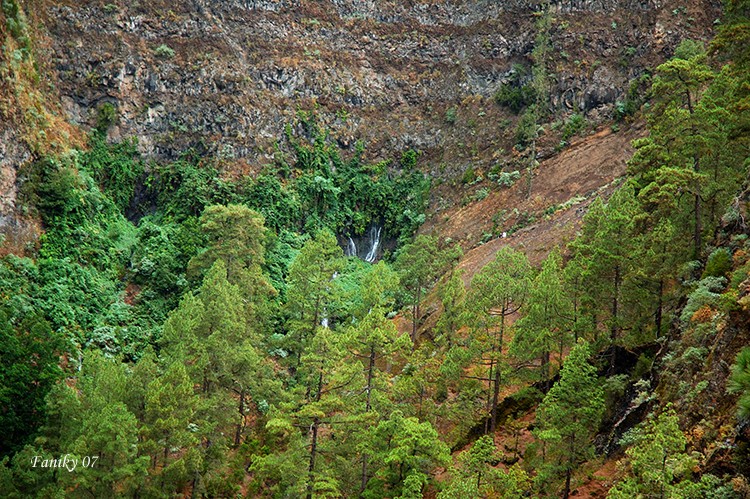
x=570 y=414
x=497 y=291
x=603 y=250
x=29 y=356
x=311 y=293
x=739 y=382
x=452 y=294
x=406 y=450
x=419 y=264
x=656 y=460
x=546 y=319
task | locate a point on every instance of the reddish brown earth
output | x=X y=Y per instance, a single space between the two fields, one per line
x=600 y=482
x=586 y=169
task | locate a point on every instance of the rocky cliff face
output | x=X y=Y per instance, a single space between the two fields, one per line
x=225 y=76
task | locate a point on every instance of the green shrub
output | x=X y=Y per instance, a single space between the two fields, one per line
x=185 y=187
x=634 y=99
x=705 y=294
x=105 y=117
x=507 y=179
x=451 y=115
x=164 y=51
x=469 y=176
x=526 y=129
x=572 y=126
x=17 y=25
x=515 y=97
x=481 y=194
x=719 y=263
x=739 y=276
x=515 y=94
x=117 y=168
x=642 y=366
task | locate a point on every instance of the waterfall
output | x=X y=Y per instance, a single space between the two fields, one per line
x=351 y=248
x=369 y=243
x=374 y=243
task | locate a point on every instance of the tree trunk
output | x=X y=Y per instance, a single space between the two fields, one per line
x=368 y=406
x=241 y=423
x=566 y=490
x=532 y=160
x=613 y=329
x=697 y=233
x=569 y=467
x=489 y=396
x=313 y=453
x=659 y=308
x=575 y=319
x=498 y=371
x=415 y=313
x=314 y=437
x=495 y=397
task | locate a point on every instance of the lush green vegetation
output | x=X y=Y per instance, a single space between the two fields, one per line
x=205 y=336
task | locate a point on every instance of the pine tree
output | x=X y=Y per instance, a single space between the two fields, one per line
x=545 y=322
x=497 y=291
x=210 y=335
x=656 y=460
x=731 y=44
x=481 y=454
x=476 y=475
x=405 y=450
x=374 y=338
x=170 y=408
x=656 y=269
x=419 y=264
x=604 y=250
x=237 y=236
x=673 y=159
x=99 y=426
x=739 y=382
x=311 y=293
x=570 y=414
x=452 y=296
x=29 y=356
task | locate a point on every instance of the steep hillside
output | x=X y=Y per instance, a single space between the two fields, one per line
x=561 y=189
x=376 y=249
x=226 y=76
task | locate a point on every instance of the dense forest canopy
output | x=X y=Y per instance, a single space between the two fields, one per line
x=178 y=331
